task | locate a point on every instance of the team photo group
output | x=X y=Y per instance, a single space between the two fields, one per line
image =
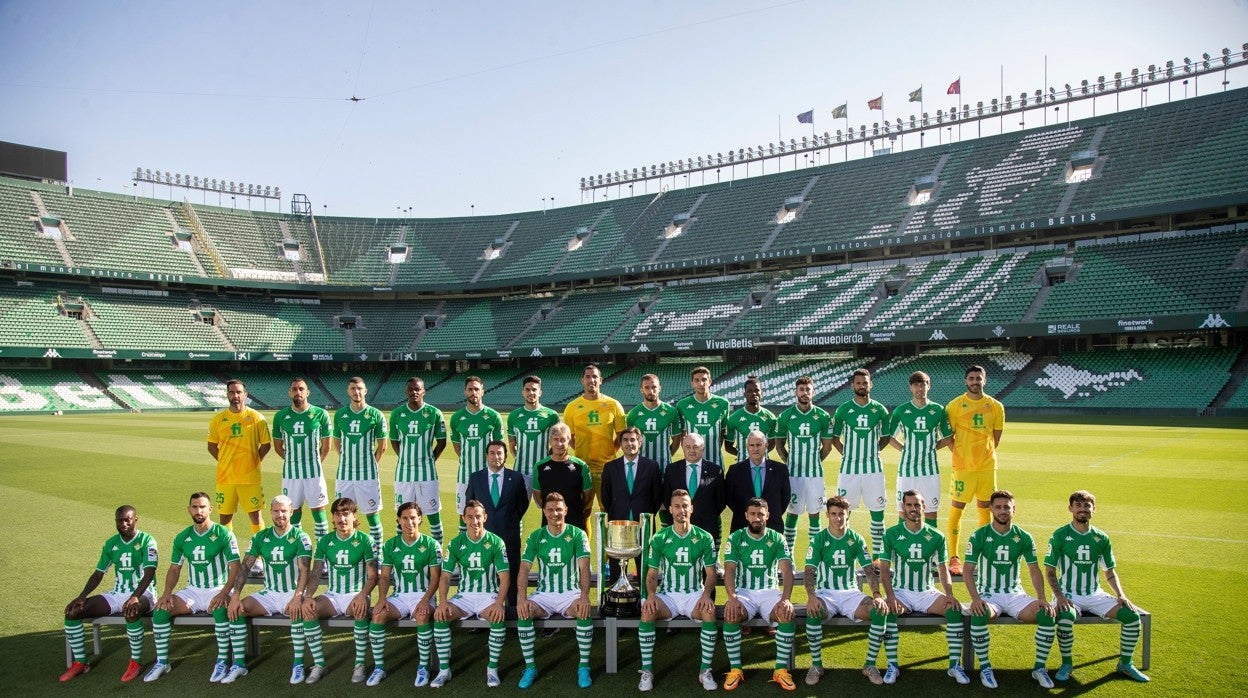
x=760 y=471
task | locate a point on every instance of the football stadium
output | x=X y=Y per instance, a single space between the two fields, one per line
x=1095 y=268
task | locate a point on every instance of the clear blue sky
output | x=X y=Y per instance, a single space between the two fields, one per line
x=502 y=104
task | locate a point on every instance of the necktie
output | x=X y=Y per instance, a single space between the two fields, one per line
x=494 y=488
x=629 y=466
x=693 y=480
x=758 y=480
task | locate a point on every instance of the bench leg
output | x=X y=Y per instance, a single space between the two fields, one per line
x=968 y=652
x=1146 y=650
x=95 y=639
x=69 y=654
x=253 y=640
x=612 y=631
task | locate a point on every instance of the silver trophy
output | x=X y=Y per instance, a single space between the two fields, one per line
x=622 y=543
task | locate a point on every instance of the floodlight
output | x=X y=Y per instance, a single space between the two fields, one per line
x=771 y=147
x=138 y=172
x=979 y=109
x=1226 y=56
x=803 y=141
x=1187 y=65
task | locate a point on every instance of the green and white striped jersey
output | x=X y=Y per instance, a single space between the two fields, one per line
x=860 y=427
x=358 y=433
x=1078 y=558
x=556 y=557
x=913 y=556
x=207 y=555
x=472 y=431
x=128 y=560
x=803 y=433
x=411 y=564
x=479 y=562
x=346 y=559
x=528 y=428
x=301 y=434
x=681 y=560
x=656 y=427
x=757 y=559
x=919 y=428
x=834 y=559
x=705 y=418
x=416 y=431
x=281 y=554
x=742 y=422
x=996 y=557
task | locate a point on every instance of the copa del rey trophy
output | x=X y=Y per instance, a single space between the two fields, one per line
x=622 y=543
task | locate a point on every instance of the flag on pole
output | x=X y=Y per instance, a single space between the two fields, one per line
x=841 y=112
x=955 y=87
x=806 y=117
x=917 y=95
x=877 y=103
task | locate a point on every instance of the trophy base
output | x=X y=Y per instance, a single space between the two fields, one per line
x=622 y=604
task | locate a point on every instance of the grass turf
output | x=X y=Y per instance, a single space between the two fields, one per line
x=1170 y=494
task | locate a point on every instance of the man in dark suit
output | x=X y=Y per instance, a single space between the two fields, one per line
x=757 y=476
x=501 y=490
x=705 y=482
x=631 y=486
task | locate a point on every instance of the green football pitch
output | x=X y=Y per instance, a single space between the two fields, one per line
x=1171 y=494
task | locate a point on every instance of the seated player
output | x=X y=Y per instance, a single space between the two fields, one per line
x=751 y=558
x=832 y=589
x=680 y=581
x=132 y=555
x=285 y=551
x=210 y=551
x=347 y=554
x=411 y=567
x=483 y=580
x=561 y=553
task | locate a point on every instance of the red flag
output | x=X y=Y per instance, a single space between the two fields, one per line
x=955 y=87
x=877 y=103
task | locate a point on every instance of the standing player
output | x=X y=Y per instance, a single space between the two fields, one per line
x=238 y=438
x=596 y=421
x=285 y=551
x=751 y=558
x=418 y=436
x=472 y=427
x=484 y=578
x=656 y=420
x=526 y=430
x=567 y=475
x=925 y=428
x=680 y=581
x=751 y=416
x=1077 y=551
x=561 y=553
x=132 y=555
x=348 y=557
x=910 y=547
x=858 y=435
x=360 y=440
x=211 y=552
x=994 y=550
x=977 y=421
x=704 y=413
x=301 y=436
x=805 y=432
x=411 y=567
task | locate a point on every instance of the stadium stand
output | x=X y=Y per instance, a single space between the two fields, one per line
x=673 y=377
x=30 y=317
x=147 y=319
x=146 y=390
x=42 y=390
x=259 y=324
x=272 y=388
x=891 y=380
x=335 y=385
x=584 y=316
x=251 y=244
x=692 y=311
x=502 y=389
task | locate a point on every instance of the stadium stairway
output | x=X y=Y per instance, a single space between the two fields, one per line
x=1239 y=374
x=94 y=381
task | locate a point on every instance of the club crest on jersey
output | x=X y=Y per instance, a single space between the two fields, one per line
x=212 y=537
x=1017 y=539
x=568 y=538
x=421 y=548
x=927 y=536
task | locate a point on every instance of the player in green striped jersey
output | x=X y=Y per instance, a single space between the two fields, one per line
x=1078 y=551
x=301 y=435
x=526 y=430
x=656 y=420
x=286 y=551
x=924 y=429
x=831 y=589
x=561 y=553
x=751 y=416
x=484 y=578
x=704 y=413
x=210 y=553
x=472 y=427
x=991 y=575
x=347 y=555
x=411 y=569
x=418 y=436
x=911 y=548
x=805 y=439
x=858 y=435
x=680 y=581
x=752 y=558
x=132 y=555
x=360 y=441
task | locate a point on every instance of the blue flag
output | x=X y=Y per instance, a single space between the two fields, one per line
x=807 y=117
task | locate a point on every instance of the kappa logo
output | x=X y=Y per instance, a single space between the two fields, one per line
x=535 y=352
x=51 y=354
x=1214 y=320
x=938 y=334
x=643 y=349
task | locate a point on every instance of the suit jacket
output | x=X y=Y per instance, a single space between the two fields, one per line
x=739 y=489
x=504 y=518
x=708 y=501
x=647 y=492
